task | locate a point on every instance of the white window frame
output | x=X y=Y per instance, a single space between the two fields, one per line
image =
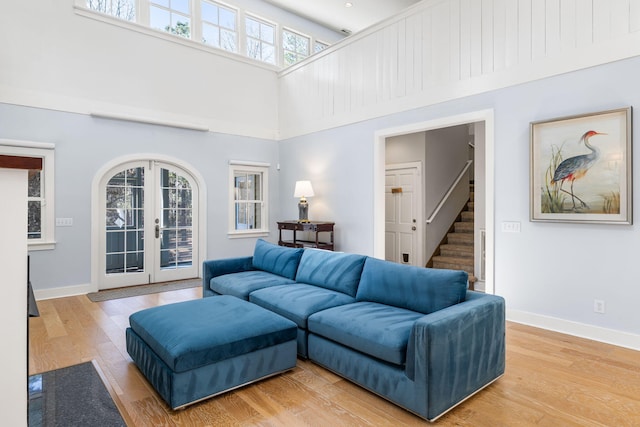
x=45 y=151
x=253 y=167
x=142 y=25
x=136 y=9
x=297 y=54
x=172 y=12
x=202 y=23
x=276 y=33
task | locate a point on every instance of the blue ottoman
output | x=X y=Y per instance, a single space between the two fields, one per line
x=197 y=349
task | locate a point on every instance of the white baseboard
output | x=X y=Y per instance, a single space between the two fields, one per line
x=596 y=333
x=66 y=291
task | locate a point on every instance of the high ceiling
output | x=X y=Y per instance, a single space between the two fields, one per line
x=335 y=15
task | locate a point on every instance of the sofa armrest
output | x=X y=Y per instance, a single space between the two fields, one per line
x=218 y=267
x=458 y=350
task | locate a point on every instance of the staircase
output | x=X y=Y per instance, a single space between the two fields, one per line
x=456 y=249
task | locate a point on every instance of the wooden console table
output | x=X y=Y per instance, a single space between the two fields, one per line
x=311 y=226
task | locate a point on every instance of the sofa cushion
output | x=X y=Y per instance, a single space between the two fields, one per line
x=242 y=284
x=275 y=259
x=297 y=302
x=375 y=329
x=332 y=270
x=190 y=334
x=414 y=288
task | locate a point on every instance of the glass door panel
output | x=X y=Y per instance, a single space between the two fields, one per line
x=124 y=222
x=175 y=222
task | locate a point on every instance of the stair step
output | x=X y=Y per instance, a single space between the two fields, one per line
x=460 y=238
x=453 y=263
x=467 y=216
x=471 y=195
x=449 y=250
x=463 y=227
x=453 y=260
x=470 y=205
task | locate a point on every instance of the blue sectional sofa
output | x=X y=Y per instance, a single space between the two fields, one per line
x=415 y=336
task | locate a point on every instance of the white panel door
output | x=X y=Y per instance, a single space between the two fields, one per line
x=149 y=225
x=403 y=214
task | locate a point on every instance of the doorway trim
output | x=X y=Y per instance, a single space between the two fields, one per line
x=96 y=208
x=379 y=148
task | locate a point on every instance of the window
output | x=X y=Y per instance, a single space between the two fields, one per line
x=210 y=22
x=172 y=16
x=219 y=26
x=320 y=46
x=248 y=198
x=40 y=198
x=123 y=9
x=261 y=40
x=295 y=47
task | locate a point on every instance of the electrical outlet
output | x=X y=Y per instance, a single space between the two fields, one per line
x=598 y=306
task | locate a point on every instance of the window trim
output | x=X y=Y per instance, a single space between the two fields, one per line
x=141 y=25
x=277 y=34
x=202 y=22
x=44 y=150
x=310 y=45
x=248 y=166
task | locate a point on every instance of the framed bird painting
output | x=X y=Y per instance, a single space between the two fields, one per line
x=581 y=168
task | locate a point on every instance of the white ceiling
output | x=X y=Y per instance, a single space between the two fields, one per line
x=333 y=13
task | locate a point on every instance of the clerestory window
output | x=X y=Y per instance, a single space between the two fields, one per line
x=261 y=40
x=172 y=16
x=295 y=47
x=123 y=9
x=219 y=25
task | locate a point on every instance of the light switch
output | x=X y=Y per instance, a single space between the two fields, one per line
x=510 y=226
x=64 y=222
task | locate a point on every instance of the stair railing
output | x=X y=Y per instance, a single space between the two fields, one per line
x=449 y=192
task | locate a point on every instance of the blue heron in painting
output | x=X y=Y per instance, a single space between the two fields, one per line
x=577 y=166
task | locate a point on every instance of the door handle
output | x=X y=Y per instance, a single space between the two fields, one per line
x=413 y=228
x=157 y=231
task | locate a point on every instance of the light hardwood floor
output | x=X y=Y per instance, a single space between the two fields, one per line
x=551 y=379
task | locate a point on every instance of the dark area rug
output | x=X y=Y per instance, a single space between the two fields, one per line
x=69 y=397
x=134 y=291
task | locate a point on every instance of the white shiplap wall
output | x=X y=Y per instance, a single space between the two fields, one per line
x=444 y=49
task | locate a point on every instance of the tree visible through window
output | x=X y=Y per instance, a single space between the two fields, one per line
x=40 y=191
x=295 y=47
x=35 y=200
x=261 y=38
x=320 y=46
x=172 y=16
x=123 y=9
x=219 y=26
x=248 y=196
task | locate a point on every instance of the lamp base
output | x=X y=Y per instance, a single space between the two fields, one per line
x=303 y=211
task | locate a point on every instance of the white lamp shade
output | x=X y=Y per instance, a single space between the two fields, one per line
x=303 y=189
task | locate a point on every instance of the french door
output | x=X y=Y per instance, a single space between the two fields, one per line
x=149 y=224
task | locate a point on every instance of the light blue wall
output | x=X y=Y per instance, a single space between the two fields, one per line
x=549 y=269
x=85 y=144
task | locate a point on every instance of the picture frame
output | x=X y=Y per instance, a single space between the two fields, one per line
x=581 y=168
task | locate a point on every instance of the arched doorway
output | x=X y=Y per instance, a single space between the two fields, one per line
x=147 y=223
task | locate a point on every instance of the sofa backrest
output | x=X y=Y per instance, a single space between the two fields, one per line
x=275 y=259
x=331 y=270
x=424 y=290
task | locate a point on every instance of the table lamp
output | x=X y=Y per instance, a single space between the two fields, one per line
x=303 y=190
